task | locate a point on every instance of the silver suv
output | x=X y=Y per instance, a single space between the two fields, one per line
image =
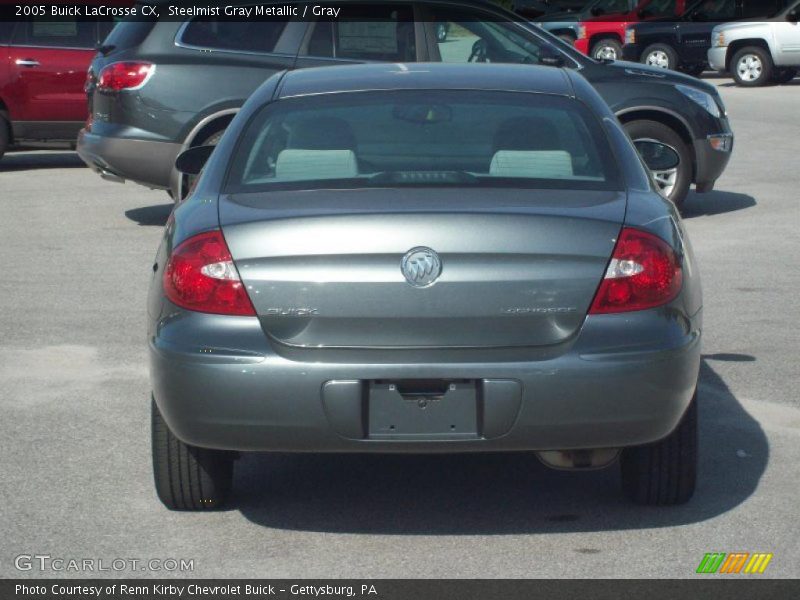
x=760 y=52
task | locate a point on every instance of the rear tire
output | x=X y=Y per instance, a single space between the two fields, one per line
x=752 y=67
x=653 y=130
x=664 y=473
x=784 y=75
x=187 y=477
x=606 y=48
x=4 y=135
x=660 y=55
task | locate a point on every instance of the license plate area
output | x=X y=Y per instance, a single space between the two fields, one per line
x=422 y=409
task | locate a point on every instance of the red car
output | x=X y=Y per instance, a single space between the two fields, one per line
x=42 y=73
x=603 y=35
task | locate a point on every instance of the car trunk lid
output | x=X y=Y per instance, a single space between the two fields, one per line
x=518 y=267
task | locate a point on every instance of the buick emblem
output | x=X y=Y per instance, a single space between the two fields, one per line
x=421 y=267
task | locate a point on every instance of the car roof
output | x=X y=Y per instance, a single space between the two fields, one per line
x=421 y=76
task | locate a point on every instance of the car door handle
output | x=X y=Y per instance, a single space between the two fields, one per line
x=26 y=62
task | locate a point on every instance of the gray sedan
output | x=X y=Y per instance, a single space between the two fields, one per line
x=425 y=258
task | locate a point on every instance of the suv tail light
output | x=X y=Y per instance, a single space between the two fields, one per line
x=124 y=76
x=200 y=276
x=644 y=272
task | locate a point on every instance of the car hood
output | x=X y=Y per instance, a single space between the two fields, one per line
x=634 y=69
x=738 y=25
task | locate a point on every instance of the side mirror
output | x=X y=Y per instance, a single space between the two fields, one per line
x=657 y=156
x=550 y=57
x=192 y=161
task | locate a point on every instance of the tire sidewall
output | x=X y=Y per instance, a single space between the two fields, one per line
x=606 y=42
x=658 y=131
x=766 y=67
x=672 y=56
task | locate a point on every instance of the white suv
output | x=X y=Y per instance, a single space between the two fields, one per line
x=759 y=52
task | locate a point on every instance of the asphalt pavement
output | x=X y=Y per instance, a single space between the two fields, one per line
x=74 y=411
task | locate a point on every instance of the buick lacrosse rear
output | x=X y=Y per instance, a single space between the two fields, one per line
x=425 y=258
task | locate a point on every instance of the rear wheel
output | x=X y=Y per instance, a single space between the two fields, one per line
x=4 y=135
x=567 y=38
x=665 y=472
x=784 y=75
x=660 y=55
x=187 y=477
x=606 y=49
x=673 y=183
x=752 y=67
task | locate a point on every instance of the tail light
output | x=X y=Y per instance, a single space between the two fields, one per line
x=124 y=76
x=644 y=272
x=201 y=276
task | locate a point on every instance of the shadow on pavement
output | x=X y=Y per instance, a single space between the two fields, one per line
x=155 y=215
x=496 y=494
x=28 y=161
x=715 y=203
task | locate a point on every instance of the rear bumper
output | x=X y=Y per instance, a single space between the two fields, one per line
x=716 y=58
x=147 y=162
x=597 y=394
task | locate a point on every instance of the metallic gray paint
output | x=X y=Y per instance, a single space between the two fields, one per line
x=264 y=383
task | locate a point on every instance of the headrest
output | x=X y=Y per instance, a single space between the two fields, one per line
x=316 y=164
x=536 y=164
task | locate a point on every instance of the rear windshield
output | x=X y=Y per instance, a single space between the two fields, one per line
x=423 y=138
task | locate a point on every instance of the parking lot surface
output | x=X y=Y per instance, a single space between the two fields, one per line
x=74 y=430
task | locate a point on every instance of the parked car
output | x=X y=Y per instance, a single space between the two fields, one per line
x=425 y=259
x=683 y=43
x=162 y=87
x=42 y=73
x=756 y=53
x=564 y=24
x=601 y=36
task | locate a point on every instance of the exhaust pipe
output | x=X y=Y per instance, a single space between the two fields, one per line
x=579 y=459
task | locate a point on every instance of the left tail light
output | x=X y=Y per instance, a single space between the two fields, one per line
x=644 y=272
x=200 y=276
x=128 y=75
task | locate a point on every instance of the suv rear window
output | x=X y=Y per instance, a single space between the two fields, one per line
x=380 y=33
x=430 y=138
x=233 y=35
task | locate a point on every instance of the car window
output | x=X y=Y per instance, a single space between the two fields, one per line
x=127 y=33
x=469 y=39
x=66 y=33
x=6 y=27
x=232 y=34
x=659 y=8
x=714 y=10
x=608 y=7
x=411 y=137
x=361 y=32
x=763 y=9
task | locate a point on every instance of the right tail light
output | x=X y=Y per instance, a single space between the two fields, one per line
x=644 y=272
